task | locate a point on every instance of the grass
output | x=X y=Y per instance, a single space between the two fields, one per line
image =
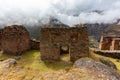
x=31 y=59
x=5 y=56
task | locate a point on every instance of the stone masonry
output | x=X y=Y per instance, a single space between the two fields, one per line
x=0 y=37
x=15 y=40
x=110 y=42
x=75 y=38
x=35 y=44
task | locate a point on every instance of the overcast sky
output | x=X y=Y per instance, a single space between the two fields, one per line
x=70 y=12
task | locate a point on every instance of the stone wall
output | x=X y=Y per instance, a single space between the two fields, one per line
x=15 y=40
x=110 y=43
x=105 y=43
x=112 y=54
x=116 y=44
x=35 y=44
x=0 y=37
x=75 y=38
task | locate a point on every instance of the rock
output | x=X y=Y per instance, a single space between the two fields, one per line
x=11 y=61
x=108 y=62
x=15 y=40
x=97 y=66
x=9 y=72
x=6 y=64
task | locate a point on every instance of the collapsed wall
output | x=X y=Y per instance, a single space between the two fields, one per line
x=15 y=40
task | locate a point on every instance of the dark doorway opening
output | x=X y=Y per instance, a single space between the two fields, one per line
x=64 y=49
x=65 y=53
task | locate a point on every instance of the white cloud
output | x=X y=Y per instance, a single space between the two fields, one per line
x=70 y=12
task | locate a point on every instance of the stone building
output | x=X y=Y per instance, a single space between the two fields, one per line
x=72 y=40
x=110 y=42
x=0 y=37
x=15 y=40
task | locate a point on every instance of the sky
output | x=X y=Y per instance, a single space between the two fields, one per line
x=70 y=12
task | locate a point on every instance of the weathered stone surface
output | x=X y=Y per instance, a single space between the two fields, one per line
x=52 y=39
x=108 y=62
x=97 y=66
x=6 y=64
x=15 y=40
x=35 y=44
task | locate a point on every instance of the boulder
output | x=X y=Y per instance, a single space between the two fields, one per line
x=11 y=61
x=108 y=62
x=6 y=64
x=15 y=40
x=97 y=66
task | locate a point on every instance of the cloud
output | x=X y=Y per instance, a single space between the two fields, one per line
x=71 y=12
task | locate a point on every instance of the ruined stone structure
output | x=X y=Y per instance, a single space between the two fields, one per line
x=15 y=39
x=111 y=42
x=35 y=44
x=0 y=37
x=75 y=39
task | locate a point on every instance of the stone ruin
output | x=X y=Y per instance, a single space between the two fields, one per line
x=52 y=41
x=14 y=39
x=35 y=44
x=110 y=42
x=0 y=37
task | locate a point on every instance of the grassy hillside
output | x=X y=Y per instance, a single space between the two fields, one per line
x=112 y=29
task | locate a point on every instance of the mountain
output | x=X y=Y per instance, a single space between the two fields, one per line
x=112 y=30
x=35 y=30
x=95 y=30
x=56 y=23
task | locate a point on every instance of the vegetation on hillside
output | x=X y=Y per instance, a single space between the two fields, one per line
x=31 y=59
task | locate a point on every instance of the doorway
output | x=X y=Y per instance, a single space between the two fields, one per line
x=65 y=53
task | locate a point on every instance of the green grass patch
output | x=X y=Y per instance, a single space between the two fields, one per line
x=31 y=59
x=5 y=56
